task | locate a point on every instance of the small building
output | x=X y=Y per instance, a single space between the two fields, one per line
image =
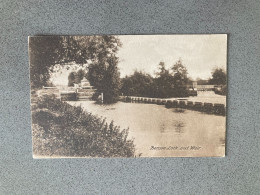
x=85 y=90
x=192 y=85
x=85 y=84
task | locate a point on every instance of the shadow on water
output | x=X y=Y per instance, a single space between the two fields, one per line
x=110 y=108
x=105 y=106
x=179 y=110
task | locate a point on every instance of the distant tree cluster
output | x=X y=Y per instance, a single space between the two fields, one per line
x=76 y=77
x=167 y=83
x=219 y=77
x=138 y=84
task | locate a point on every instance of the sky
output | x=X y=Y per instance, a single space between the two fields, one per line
x=199 y=53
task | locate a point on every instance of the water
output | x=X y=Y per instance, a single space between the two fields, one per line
x=209 y=97
x=162 y=132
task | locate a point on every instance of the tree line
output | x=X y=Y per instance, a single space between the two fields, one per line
x=170 y=82
x=167 y=83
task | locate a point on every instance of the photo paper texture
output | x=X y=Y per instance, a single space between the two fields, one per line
x=128 y=95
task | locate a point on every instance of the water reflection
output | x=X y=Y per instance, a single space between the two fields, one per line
x=175 y=127
x=179 y=127
x=162 y=128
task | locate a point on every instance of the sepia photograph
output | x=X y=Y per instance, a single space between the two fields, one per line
x=110 y=96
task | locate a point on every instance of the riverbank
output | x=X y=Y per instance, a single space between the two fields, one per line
x=63 y=130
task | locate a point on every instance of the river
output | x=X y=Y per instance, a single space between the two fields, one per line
x=162 y=132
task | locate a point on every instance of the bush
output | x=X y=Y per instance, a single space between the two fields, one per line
x=60 y=129
x=222 y=91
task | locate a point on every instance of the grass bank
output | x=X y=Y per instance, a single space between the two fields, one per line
x=59 y=129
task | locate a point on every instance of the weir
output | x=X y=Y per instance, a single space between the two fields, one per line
x=79 y=92
x=210 y=108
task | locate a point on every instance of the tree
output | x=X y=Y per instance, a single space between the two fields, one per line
x=80 y=75
x=138 y=84
x=103 y=73
x=105 y=77
x=162 y=69
x=164 y=82
x=219 y=77
x=71 y=78
x=44 y=52
x=76 y=77
x=110 y=84
x=180 y=79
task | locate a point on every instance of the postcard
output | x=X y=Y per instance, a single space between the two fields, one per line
x=129 y=96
